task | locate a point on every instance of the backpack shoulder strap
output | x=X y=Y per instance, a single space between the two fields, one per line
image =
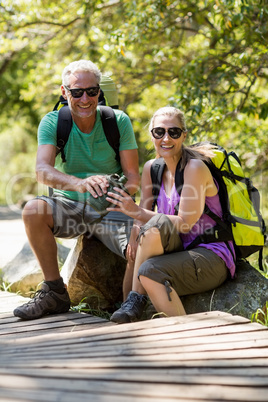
x=110 y=128
x=64 y=127
x=157 y=170
x=179 y=178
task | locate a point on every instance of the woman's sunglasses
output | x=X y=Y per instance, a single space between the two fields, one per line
x=78 y=92
x=173 y=132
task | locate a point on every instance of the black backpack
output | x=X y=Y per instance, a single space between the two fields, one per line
x=65 y=123
x=227 y=171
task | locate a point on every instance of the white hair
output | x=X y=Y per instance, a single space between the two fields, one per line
x=80 y=65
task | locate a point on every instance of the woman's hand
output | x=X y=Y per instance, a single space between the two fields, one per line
x=133 y=243
x=123 y=203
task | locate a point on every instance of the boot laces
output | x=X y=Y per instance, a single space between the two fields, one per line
x=39 y=294
x=130 y=303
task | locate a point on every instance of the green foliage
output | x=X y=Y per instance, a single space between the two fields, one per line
x=17 y=160
x=261 y=315
x=83 y=307
x=207 y=57
x=4 y=286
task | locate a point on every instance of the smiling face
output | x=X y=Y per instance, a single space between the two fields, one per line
x=84 y=107
x=166 y=146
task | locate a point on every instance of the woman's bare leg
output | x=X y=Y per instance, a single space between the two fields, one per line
x=150 y=245
x=128 y=279
x=159 y=297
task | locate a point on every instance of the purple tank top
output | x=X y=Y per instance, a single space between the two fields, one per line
x=166 y=205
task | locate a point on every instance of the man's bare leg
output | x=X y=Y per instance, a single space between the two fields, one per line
x=38 y=221
x=52 y=298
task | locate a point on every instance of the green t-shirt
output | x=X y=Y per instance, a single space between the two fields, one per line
x=87 y=154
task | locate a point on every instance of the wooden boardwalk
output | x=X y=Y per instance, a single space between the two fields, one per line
x=74 y=357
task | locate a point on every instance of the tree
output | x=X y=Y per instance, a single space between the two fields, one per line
x=207 y=57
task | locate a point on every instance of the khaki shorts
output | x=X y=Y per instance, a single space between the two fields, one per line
x=187 y=272
x=71 y=220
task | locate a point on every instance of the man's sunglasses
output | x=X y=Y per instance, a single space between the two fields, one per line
x=78 y=92
x=173 y=132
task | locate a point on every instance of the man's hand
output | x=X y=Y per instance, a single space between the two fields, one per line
x=95 y=185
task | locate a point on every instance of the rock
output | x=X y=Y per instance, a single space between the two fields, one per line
x=240 y=296
x=23 y=272
x=94 y=274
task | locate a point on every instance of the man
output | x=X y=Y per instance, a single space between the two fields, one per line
x=88 y=158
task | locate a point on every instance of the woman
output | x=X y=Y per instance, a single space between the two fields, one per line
x=163 y=269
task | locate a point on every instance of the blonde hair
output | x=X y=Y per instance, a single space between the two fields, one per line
x=171 y=112
x=202 y=151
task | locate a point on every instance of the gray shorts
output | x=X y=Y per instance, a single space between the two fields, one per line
x=72 y=219
x=188 y=272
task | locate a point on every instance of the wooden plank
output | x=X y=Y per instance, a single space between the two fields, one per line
x=121 y=351
x=248 y=357
x=228 y=376
x=10 y=321
x=159 y=326
x=139 y=355
x=63 y=326
x=208 y=327
x=226 y=341
x=45 y=395
x=70 y=329
x=194 y=336
x=65 y=321
x=130 y=347
x=206 y=357
x=137 y=389
x=142 y=364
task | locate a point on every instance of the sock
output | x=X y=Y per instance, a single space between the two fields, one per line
x=57 y=285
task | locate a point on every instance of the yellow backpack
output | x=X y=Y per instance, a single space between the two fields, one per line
x=242 y=221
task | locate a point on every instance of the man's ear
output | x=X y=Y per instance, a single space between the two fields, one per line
x=63 y=91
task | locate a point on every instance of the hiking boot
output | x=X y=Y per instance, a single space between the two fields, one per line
x=131 y=310
x=45 y=301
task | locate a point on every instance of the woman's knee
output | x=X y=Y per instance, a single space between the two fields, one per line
x=150 y=236
x=161 y=230
x=146 y=282
x=150 y=244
